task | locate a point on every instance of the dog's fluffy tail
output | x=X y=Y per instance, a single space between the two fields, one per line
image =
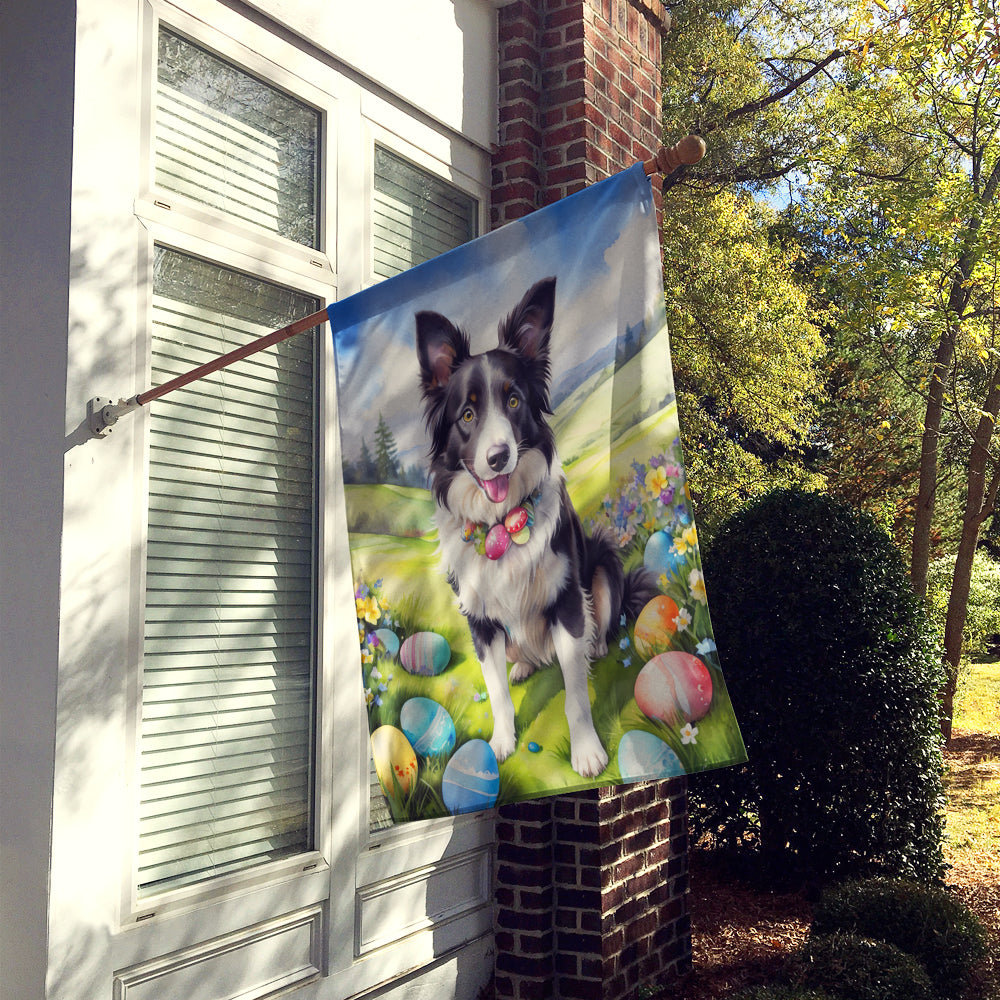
x=640 y=589
x=629 y=592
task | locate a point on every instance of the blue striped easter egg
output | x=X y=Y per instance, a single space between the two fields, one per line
x=643 y=755
x=427 y=726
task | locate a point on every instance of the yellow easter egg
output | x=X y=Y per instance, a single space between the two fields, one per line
x=395 y=760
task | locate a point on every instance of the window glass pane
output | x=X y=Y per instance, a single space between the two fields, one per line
x=416 y=215
x=231 y=141
x=228 y=654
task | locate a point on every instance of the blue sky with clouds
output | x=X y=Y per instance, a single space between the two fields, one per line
x=601 y=244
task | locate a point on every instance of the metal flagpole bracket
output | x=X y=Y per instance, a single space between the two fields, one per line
x=103 y=413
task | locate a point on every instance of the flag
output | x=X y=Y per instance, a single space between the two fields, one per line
x=531 y=609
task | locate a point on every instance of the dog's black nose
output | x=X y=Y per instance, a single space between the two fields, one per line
x=497 y=456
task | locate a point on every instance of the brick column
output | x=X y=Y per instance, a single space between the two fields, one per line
x=591 y=889
x=579 y=96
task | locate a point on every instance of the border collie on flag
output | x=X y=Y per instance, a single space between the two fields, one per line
x=531 y=608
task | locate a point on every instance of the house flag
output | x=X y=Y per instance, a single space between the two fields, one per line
x=532 y=614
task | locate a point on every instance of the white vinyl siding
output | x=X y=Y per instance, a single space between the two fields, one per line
x=227 y=706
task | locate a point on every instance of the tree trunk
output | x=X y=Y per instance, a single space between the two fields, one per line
x=980 y=498
x=958 y=299
x=920 y=553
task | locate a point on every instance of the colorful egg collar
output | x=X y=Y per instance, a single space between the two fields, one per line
x=493 y=541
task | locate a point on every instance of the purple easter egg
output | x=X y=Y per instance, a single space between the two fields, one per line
x=425 y=653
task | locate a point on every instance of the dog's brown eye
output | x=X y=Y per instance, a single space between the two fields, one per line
x=513 y=402
x=468 y=415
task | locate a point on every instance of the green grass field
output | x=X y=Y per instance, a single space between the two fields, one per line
x=973 y=784
x=387 y=565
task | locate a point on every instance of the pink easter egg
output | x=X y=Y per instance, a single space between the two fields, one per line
x=655 y=692
x=692 y=682
x=516 y=520
x=672 y=686
x=497 y=541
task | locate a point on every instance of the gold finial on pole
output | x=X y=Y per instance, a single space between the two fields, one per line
x=688 y=151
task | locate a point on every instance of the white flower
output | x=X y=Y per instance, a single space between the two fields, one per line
x=683 y=619
x=688 y=733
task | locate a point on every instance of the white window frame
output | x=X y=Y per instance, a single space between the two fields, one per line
x=183 y=225
x=351 y=872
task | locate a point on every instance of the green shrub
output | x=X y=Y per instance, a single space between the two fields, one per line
x=856 y=968
x=833 y=673
x=924 y=921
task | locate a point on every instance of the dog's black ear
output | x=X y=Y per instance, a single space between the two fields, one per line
x=441 y=348
x=526 y=330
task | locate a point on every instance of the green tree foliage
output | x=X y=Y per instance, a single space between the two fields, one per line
x=982 y=620
x=879 y=122
x=746 y=349
x=747 y=358
x=833 y=672
x=909 y=179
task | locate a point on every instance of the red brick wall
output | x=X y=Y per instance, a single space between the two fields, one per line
x=591 y=889
x=579 y=96
x=591 y=893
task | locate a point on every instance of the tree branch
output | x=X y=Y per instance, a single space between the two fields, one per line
x=753 y=107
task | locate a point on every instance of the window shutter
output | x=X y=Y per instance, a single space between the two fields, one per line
x=228 y=656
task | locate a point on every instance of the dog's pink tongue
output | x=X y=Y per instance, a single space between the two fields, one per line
x=496 y=489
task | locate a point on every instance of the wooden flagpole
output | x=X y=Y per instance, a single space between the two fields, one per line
x=102 y=413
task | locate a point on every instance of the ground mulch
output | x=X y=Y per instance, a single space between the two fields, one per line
x=742 y=934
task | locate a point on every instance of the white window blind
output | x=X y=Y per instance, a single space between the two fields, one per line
x=228 y=140
x=228 y=656
x=416 y=216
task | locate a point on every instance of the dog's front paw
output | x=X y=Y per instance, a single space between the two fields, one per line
x=588 y=757
x=503 y=744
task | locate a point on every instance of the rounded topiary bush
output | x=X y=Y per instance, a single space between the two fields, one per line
x=926 y=922
x=856 y=968
x=833 y=672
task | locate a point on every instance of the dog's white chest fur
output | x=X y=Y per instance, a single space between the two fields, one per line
x=515 y=589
